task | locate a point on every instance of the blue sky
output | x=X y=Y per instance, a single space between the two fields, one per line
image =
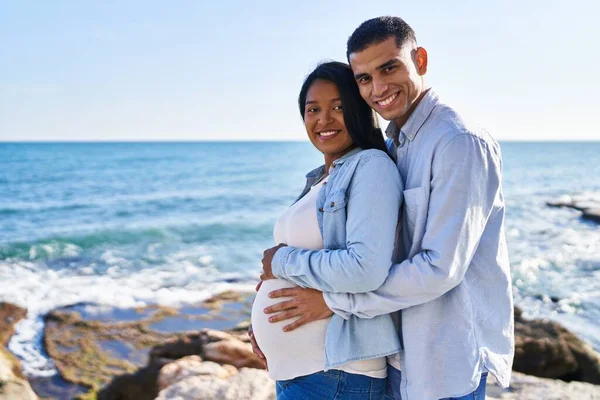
x=231 y=70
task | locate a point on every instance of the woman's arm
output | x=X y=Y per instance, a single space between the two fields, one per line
x=375 y=197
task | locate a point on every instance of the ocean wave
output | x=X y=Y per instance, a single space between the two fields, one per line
x=75 y=245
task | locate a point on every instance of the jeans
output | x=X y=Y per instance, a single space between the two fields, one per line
x=395 y=376
x=330 y=385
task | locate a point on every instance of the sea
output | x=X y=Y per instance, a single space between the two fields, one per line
x=133 y=224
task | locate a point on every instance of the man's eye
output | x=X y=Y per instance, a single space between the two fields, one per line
x=364 y=79
x=389 y=69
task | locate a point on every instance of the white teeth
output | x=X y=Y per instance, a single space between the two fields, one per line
x=388 y=100
x=329 y=133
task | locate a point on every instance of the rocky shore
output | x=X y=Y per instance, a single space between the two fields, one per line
x=13 y=385
x=203 y=352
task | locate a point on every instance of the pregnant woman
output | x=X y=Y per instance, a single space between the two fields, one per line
x=342 y=228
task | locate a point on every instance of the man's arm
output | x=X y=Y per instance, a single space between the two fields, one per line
x=465 y=185
x=372 y=216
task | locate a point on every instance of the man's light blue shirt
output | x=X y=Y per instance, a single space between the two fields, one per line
x=452 y=280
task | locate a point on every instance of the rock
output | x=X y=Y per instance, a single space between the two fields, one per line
x=91 y=344
x=13 y=386
x=229 y=309
x=526 y=387
x=141 y=385
x=545 y=349
x=191 y=378
x=211 y=345
x=184 y=358
x=179 y=370
x=588 y=204
x=591 y=214
x=233 y=352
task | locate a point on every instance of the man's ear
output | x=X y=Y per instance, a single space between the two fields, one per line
x=421 y=60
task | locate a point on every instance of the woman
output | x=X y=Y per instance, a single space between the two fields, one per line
x=343 y=225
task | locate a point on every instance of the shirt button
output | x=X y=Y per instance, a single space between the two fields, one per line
x=333 y=166
x=321 y=209
x=332 y=204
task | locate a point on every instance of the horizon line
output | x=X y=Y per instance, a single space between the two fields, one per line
x=158 y=141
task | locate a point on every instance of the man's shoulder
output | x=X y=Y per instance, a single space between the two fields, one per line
x=447 y=124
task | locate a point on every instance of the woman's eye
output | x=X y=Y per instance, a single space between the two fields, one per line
x=338 y=107
x=312 y=110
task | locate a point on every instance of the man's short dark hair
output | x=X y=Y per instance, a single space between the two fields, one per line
x=378 y=30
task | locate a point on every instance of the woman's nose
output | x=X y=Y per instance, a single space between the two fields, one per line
x=325 y=118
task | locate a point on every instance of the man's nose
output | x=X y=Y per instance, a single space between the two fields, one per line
x=379 y=87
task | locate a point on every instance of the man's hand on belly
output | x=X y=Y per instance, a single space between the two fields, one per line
x=307 y=304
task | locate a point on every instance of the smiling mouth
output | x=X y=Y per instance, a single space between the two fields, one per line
x=328 y=134
x=385 y=103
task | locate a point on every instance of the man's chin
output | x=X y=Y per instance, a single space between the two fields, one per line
x=389 y=115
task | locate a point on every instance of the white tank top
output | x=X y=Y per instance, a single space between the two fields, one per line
x=301 y=351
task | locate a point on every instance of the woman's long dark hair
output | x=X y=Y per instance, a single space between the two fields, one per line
x=359 y=118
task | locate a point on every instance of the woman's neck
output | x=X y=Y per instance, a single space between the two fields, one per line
x=331 y=157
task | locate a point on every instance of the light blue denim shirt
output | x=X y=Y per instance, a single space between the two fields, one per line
x=357 y=212
x=452 y=277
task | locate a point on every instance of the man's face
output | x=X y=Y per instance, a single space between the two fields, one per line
x=390 y=79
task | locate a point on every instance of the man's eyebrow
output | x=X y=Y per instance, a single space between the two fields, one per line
x=388 y=64
x=360 y=76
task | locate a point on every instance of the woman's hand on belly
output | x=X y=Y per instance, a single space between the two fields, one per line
x=255 y=347
x=267 y=260
x=307 y=304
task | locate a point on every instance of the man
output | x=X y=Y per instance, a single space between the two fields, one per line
x=451 y=278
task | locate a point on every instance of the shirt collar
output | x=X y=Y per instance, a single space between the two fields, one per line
x=317 y=173
x=416 y=120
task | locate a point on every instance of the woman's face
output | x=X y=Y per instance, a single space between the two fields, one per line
x=324 y=120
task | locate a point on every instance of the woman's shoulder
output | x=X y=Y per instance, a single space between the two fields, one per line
x=373 y=156
x=376 y=164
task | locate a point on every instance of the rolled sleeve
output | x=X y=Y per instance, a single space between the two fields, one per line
x=279 y=261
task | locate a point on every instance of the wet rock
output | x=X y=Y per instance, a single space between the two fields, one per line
x=546 y=349
x=13 y=386
x=527 y=387
x=119 y=352
x=81 y=348
x=588 y=204
x=591 y=214
x=191 y=378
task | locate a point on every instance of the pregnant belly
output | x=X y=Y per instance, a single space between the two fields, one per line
x=289 y=354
